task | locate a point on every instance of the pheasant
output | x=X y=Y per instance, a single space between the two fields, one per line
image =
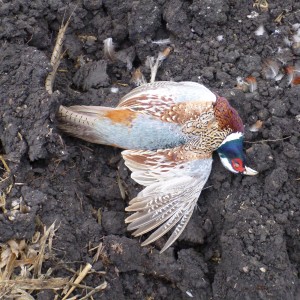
x=169 y=131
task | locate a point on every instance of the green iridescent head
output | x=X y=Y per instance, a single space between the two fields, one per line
x=232 y=155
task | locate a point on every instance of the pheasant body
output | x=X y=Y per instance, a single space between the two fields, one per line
x=163 y=120
x=123 y=127
x=170 y=131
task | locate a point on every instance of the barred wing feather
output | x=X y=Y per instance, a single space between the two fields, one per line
x=167 y=93
x=168 y=199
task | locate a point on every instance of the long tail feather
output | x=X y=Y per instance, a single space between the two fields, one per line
x=80 y=121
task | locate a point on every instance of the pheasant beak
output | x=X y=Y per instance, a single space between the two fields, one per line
x=249 y=171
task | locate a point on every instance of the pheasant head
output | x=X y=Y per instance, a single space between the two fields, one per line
x=232 y=155
x=231 y=149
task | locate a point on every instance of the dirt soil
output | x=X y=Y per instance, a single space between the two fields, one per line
x=243 y=241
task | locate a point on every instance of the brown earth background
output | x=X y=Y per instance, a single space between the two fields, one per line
x=243 y=241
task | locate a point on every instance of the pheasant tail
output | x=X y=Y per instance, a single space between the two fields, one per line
x=80 y=121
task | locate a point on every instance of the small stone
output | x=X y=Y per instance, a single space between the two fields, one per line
x=189 y=294
x=246 y=269
x=262 y=269
x=114 y=90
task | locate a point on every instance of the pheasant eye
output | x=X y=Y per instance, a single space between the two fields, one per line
x=237 y=164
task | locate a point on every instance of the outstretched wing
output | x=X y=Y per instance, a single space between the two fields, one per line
x=173 y=186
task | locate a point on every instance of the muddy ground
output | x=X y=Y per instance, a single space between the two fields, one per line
x=243 y=241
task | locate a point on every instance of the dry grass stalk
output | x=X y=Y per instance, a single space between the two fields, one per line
x=35 y=284
x=80 y=277
x=4 y=164
x=4 y=177
x=121 y=186
x=263 y=5
x=48 y=235
x=21 y=264
x=21 y=269
x=97 y=289
x=3 y=202
x=100 y=254
x=271 y=140
x=67 y=286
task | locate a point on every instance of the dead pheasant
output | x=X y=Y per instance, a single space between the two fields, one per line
x=169 y=131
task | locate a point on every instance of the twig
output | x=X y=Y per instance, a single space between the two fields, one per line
x=97 y=289
x=4 y=163
x=264 y=141
x=80 y=277
x=35 y=284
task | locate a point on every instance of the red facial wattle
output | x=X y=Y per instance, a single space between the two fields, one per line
x=237 y=165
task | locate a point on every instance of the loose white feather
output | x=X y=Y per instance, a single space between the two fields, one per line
x=109 y=49
x=270 y=69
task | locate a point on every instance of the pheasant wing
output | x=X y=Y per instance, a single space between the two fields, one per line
x=170 y=195
x=166 y=93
